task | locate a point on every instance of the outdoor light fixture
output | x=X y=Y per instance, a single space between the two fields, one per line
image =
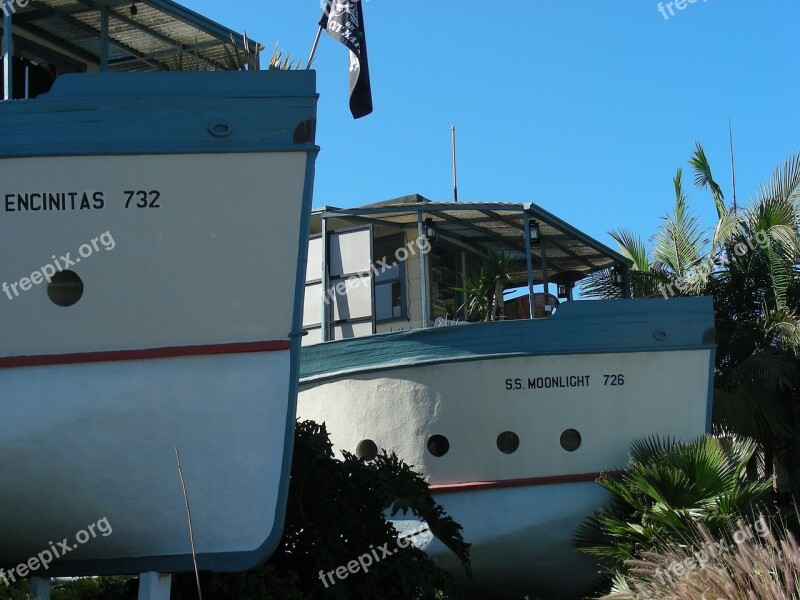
x=429 y=227
x=617 y=277
x=536 y=232
x=134 y=10
x=562 y=291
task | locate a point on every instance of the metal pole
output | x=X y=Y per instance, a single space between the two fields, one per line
x=529 y=261
x=733 y=168
x=8 y=49
x=545 y=282
x=325 y=281
x=626 y=282
x=314 y=48
x=423 y=273
x=455 y=173
x=104 y=38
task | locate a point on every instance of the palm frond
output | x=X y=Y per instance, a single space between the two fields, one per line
x=704 y=179
x=679 y=241
x=632 y=247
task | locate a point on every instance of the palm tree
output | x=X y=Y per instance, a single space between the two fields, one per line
x=667 y=490
x=757 y=296
x=748 y=262
x=683 y=255
x=483 y=290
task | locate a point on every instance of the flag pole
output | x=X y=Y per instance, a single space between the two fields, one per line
x=314 y=48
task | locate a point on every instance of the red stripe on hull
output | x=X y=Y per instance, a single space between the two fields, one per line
x=116 y=355
x=512 y=483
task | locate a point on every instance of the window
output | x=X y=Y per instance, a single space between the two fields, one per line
x=570 y=440
x=367 y=449
x=389 y=279
x=508 y=442
x=444 y=270
x=65 y=288
x=438 y=445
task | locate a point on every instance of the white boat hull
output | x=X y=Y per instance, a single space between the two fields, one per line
x=648 y=374
x=181 y=201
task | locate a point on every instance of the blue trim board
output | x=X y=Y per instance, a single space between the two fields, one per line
x=157 y=113
x=578 y=327
x=95 y=114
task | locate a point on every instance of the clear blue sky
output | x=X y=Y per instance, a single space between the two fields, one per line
x=585 y=107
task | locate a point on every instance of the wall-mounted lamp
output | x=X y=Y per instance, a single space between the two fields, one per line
x=429 y=227
x=536 y=232
x=563 y=290
x=617 y=277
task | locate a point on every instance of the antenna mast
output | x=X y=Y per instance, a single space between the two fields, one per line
x=455 y=173
x=733 y=169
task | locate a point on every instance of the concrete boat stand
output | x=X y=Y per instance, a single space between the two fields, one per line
x=152 y=586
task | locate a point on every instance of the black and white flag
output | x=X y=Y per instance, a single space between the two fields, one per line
x=344 y=21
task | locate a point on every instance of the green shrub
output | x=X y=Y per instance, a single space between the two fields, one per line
x=667 y=490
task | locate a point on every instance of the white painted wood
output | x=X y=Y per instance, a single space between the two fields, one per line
x=312 y=306
x=349 y=330
x=353 y=298
x=314 y=265
x=104 y=438
x=314 y=336
x=350 y=252
x=216 y=263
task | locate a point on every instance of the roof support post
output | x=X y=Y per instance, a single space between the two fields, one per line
x=104 y=38
x=545 y=278
x=423 y=272
x=626 y=282
x=529 y=261
x=326 y=298
x=8 y=48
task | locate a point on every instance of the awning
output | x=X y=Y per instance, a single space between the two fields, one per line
x=499 y=227
x=148 y=35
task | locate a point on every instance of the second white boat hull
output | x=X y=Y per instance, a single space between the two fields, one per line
x=511 y=422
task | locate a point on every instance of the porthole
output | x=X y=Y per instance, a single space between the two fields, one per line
x=65 y=288
x=438 y=445
x=570 y=440
x=367 y=449
x=508 y=442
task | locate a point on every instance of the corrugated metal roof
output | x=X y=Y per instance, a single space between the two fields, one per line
x=144 y=35
x=497 y=226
